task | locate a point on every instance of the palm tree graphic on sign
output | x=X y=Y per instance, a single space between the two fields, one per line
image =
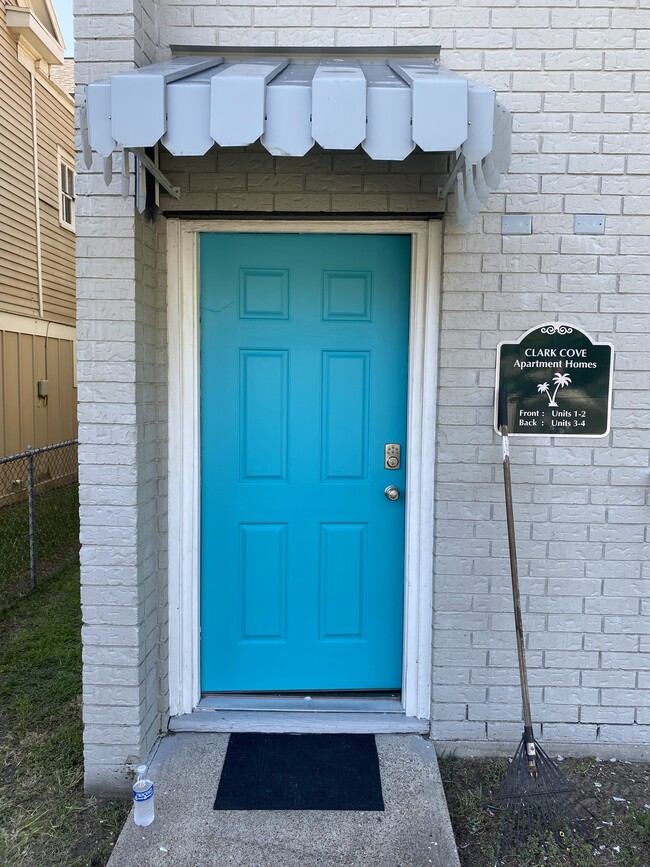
x=560 y=380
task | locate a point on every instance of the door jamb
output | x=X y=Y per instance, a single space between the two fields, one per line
x=184 y=445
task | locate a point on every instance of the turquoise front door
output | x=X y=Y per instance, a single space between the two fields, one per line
x=303 y=383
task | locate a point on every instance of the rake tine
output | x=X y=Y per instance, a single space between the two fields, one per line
x=544 y=807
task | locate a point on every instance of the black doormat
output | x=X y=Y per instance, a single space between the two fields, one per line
x=300 y=772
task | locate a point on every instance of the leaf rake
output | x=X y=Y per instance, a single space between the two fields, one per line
x=535 y=798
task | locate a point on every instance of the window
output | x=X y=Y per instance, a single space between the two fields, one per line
x=66 y=192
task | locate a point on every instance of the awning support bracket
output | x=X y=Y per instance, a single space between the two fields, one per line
x=451 y=180
x=151 y=167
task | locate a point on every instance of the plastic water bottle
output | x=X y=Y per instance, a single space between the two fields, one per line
x=143 y=811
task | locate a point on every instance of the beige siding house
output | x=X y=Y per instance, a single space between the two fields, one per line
x=37 y=232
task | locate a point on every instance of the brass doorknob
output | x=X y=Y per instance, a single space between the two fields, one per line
x=392 y=493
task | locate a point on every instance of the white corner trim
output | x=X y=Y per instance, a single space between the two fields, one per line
x=23 y=23
x=184 y=446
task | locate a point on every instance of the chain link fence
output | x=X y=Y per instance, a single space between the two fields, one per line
x=39 y=517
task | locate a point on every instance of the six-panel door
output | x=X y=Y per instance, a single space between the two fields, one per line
x=303 y=382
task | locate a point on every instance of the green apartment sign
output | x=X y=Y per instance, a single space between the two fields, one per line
x=558 y=382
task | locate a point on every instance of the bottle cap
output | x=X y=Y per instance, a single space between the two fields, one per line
x=142 y=769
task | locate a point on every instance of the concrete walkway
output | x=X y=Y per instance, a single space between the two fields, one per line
x=414 y=830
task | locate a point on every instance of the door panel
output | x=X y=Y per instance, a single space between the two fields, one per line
x=345 y=389
x=303 y=381
x=263 y=392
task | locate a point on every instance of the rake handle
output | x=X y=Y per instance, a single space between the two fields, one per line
x=514 y=576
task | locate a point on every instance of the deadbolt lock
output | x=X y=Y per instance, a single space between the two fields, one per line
x=392 y=456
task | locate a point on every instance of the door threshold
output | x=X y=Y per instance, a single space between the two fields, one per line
x=302 y=703
x=297 y=722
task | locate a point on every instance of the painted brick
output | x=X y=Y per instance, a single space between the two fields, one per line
x=450 y=675
x=633 y=626
x=626 y=697
x=498 y=713
x=608 y=642
x=624 y=734
x=553 y=677
x=461 y=693
x=510 y=732
x=463 y=731
x=573 y=696
x=616 y=39
x=622 y=661
x=127 y=715
x=495 y=676
x=560 y=733
x=448 y=712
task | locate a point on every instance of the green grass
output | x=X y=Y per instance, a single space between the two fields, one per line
x=45 y=819
x=57 y=540
x=535 y=852
x=14 y=550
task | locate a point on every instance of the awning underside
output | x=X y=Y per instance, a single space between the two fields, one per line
x=388 y=107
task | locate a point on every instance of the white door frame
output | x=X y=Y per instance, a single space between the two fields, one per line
x=184 y=445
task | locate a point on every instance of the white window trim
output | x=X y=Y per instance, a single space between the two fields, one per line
x=184 y=447
x=64 y=159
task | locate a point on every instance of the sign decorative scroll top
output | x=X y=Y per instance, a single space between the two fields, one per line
x=558 y=382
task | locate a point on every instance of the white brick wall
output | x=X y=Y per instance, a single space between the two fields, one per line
x=575 y=76
x=120 y=428
x=582 y=509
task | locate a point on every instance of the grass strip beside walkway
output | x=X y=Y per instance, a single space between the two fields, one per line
x=45 y=818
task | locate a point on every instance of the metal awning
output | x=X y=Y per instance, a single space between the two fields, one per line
x=388 y=106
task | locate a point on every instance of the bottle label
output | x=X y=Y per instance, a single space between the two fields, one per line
x=144 y=796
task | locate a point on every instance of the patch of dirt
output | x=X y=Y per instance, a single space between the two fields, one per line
x=616 y=793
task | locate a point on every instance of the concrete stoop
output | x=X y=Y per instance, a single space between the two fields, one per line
x=414 y=830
